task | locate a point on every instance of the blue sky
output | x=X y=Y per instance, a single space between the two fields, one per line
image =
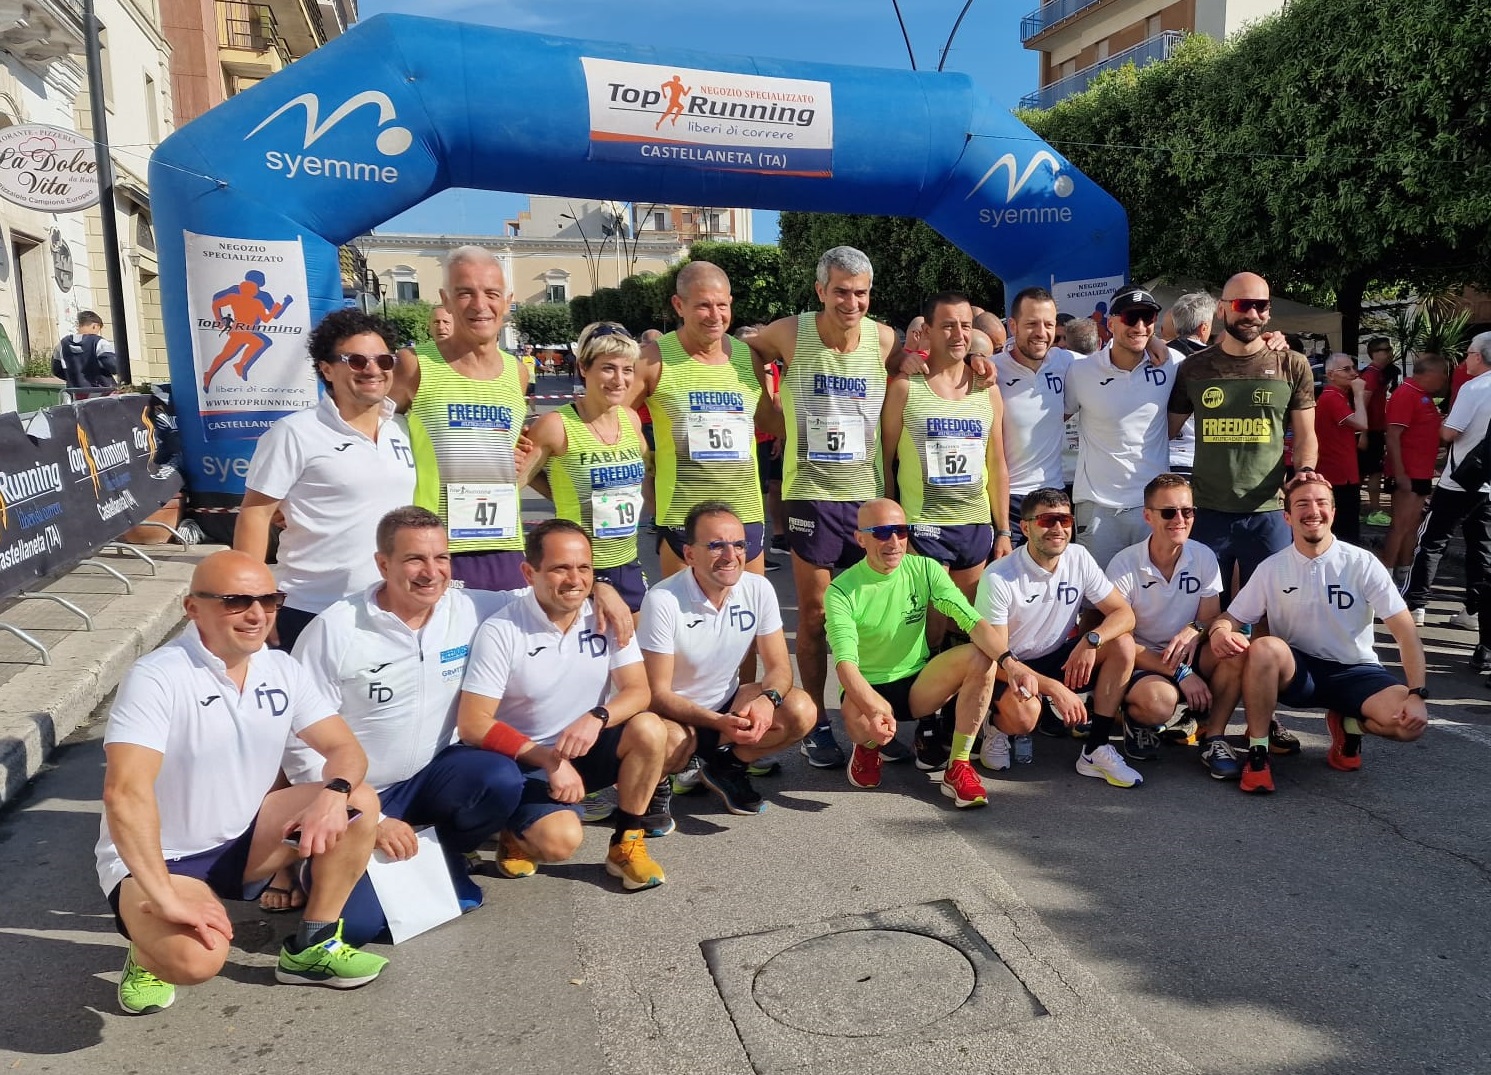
x=987 y=48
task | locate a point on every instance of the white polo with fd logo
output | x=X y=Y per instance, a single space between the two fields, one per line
x=1040 y=606
x=707 y=643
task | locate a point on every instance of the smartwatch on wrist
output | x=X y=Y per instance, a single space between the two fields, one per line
x=774 y=697
x=602 y=714
x=339 y=785
x=1004 y=533
x=1093 y=639
x=1420 y=692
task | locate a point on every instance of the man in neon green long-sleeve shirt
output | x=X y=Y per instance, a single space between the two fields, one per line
x=876 y=625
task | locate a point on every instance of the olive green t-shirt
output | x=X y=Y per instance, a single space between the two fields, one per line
x=1241 y=406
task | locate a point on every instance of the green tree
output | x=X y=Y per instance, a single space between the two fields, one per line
x=411 y=319
x=581 y=310
x=541 y=323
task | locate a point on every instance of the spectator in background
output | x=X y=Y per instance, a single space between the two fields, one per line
x=1413 y=422
x=1340 y=414
x=85 y=360
x=1061 y=323
x=1081 y=336
x=1190 y=331
x=1381 y=376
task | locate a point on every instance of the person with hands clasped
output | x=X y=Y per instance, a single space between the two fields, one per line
x=1037 y=595
x=192 y=748
x=544 y=686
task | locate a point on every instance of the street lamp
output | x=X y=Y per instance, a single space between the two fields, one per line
x=590 y=255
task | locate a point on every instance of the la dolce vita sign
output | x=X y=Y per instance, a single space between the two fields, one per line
x=47 y=168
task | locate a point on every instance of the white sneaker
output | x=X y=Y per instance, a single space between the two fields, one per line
x=1466 y=621
x=996 y=752
x=1418 y=617
x=1105 y=762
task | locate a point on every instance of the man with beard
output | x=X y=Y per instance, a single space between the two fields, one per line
x=1320 y=596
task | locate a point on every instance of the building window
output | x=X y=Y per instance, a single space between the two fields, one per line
x=556 y=293
x=152 y=111
x=1102 y=50
x=406 y=291
x=1152 y=26
x=659 y=222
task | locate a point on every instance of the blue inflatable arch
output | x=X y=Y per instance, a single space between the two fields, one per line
x=254 y=197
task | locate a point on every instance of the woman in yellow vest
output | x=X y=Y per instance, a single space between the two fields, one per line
x=595 y=459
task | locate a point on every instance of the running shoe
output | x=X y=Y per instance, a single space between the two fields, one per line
x=1257 y=777
x=729 y=778
x=142 y=993
x=996 y=754
x=779 y=543
x=962 y=785
x=686 y=780
x=1379 y=518
x=773 y=565
x=1081 y=730
x=763 y=767
x=332 y=962
x=864 y=767
x=1345 y=753
x=1183 y=732
x=1140 y=743
x=1467 y=621
x=1418 y=616
x=1220 y=761
x=628 y=861
x=1051 y=724
x=512 y=861
x=658 y=821
x=821 y=750
x=933 y=743
x=598 y=805
x=895 y=751
x=1281 y=740
x=1480 y=660
x=1105 y=763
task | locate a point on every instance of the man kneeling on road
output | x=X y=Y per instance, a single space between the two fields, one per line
x=538 y=663
x=876 y=624
x=193 y=746
x=1174 y=587
x=1037 y=595
x=695 y=630
x=1320 y=596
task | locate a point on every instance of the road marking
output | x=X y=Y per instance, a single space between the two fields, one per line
x=1478 y=733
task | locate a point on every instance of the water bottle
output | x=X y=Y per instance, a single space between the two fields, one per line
x=1022 y=749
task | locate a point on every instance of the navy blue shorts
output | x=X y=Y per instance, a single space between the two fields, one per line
x=956 y=547
x=755 y=534
x=598 y=768
x=822 y=532
x=1244 y=539
x=221 y=867
x=629 y=580
x=1326 y=684
x=497 y=569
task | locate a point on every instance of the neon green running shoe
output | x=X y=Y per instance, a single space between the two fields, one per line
x=332 y=962
x=142 y=993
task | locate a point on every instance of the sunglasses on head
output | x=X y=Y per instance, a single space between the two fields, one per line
x=1136 y=316
x=358 y=363
x=234 y=603
x=1047 y=519
x=1170 y=513
x=605 y=329
x=721 y=545
x=887 y=531
x=1242 y=306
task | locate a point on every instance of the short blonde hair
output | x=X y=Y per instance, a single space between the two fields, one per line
x=600 y=339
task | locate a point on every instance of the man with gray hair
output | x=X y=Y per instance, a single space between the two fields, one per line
x=832 y=389
x=1461 y=495
x=465 y=417
x=1081 y=336
x=1190 y=321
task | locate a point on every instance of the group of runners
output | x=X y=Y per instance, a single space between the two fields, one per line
x=418 y=658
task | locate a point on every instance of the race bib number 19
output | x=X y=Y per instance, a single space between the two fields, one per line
x=481 y=511
x=614 y=512
x=838 y=438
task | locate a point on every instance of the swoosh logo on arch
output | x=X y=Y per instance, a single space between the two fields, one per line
x=1017 y=179
x=391 y=141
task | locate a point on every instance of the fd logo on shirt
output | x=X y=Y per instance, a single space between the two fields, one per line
x=592 y=642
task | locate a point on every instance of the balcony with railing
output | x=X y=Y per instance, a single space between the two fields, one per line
x=1155 y=48
x=250 y=39
x=1049 y=14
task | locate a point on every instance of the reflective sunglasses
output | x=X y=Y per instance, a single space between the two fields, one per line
x=1134 y=317
x=1242 y=306
x=1170 y=513
x=1047 y=519
x=234 y=603
x=358 y=363
x=721 y=545
x=887 y=531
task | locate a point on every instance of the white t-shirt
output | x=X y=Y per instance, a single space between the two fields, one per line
x=1471 y=415
x=1163 y=606
x=333 y=485
x=1123 y=426
x=1324 y=606
x=1034 y=430
x=220 y=748
x=1040 y=606
x=707 y=643
x=543 y=679
x=397 y=689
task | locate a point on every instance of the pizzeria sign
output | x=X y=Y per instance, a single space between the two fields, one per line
x=47 y=168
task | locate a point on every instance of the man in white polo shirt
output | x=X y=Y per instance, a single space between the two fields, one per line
x=332 y=472
x=1321 y=597
x=1038 y=593
x=695 y=629
x=193 y=746
x=572 y=708
x=1119 y=396
x=1173 y=586
x=1032 y=381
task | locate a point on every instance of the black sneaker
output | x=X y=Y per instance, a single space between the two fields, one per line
x=932 y=750
x=895 y=750
x=726 y=776
x=1281 y=740
x=658 y=821
x=1480 y=660
x=773 y=565
x=1140 y=743
x=779 y=543
x=1051 y=724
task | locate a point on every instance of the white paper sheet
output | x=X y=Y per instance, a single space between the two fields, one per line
x=416 y=894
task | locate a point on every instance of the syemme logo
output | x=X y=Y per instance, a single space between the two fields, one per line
x=1062 y=186
x=828 y=384
x=391 y=140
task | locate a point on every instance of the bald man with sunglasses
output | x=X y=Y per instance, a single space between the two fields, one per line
x=330 y=473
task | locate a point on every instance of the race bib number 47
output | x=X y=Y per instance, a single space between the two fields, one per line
x=481 y=511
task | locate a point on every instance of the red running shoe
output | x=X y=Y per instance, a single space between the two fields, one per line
x=864 y=767
x=1257 y=776
x=963 y=786
x=1346 y=749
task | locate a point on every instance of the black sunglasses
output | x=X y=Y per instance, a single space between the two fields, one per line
x=606 y=329
x=1170 y=513
x=886 y=532
x=234 y=603
x=1242 y=306
x=1133 y=317
x=358 y=363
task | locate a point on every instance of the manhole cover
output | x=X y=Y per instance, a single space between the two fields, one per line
x=864 y=983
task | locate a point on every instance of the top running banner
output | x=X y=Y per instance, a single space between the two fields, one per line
x=650 y=114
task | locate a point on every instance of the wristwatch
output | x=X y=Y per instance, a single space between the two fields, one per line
x=339 y=785
x=602 y=714
x=1422 y=692
x=1004 y=533
x=1198 y=627
x=774 y=697
x=1093 y=639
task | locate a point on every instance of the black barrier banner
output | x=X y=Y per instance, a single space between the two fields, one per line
x=72 y=479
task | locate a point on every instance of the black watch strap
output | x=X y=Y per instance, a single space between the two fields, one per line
x=339 y=785
x=602 y=714
x=774 y=697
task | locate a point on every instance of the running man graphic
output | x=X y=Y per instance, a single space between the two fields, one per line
x=240 y=309
x=676 y=91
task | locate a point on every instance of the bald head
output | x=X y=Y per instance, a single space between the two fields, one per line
x=980 y=344
x=231 y=634
x=881 y=512
x=1245 y=285
x=992 y=327
x=699 y=274
x=649 y=335
x=230 y=571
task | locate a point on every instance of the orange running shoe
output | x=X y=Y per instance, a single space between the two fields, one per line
x=1257 y=776
x=1346 y=749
